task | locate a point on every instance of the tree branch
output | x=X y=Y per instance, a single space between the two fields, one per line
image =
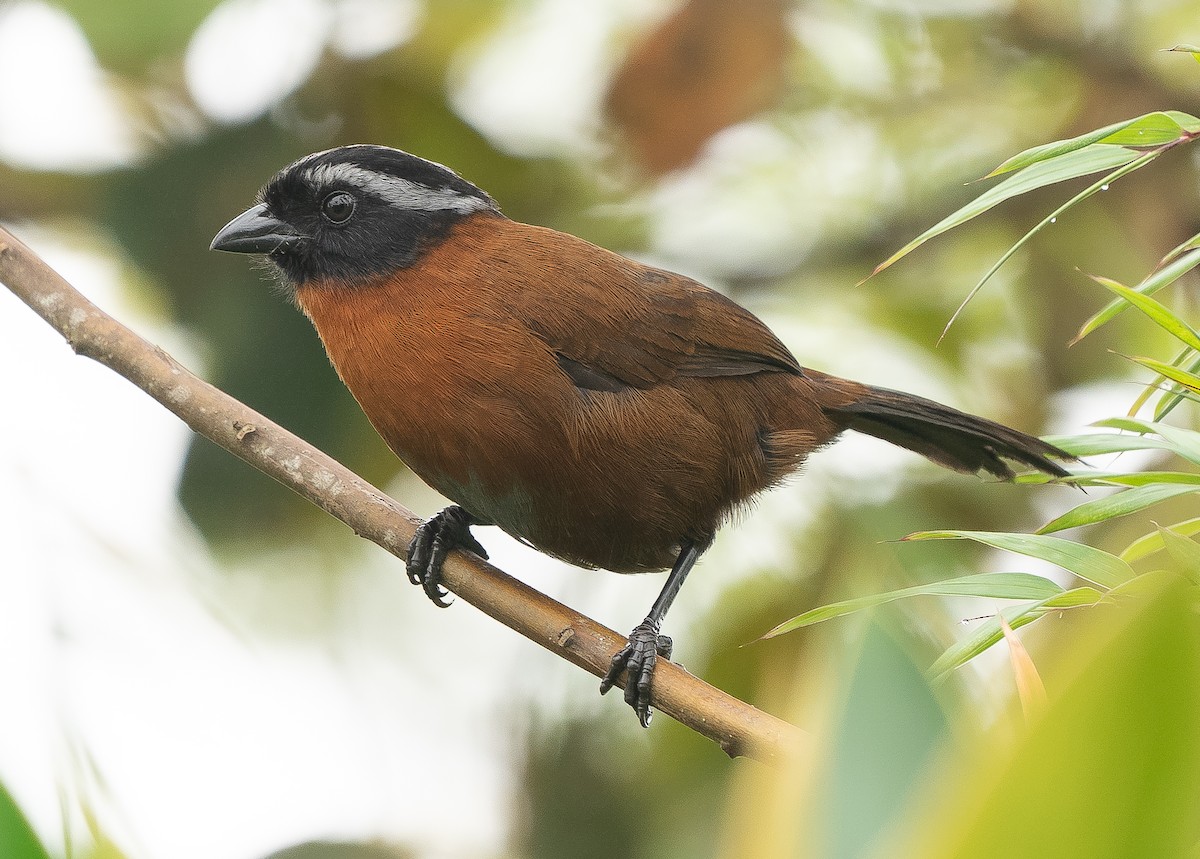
x=739 y=728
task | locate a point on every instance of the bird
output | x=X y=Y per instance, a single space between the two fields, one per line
x=608 y=413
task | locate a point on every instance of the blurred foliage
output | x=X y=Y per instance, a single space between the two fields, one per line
x=1126 y=146
x=1091 y=777
x=341 y=850
x=706 y=66
x=17 y=838
x=129 y=36
x=1109 y=769
x=1112 y=769
x=852 y=127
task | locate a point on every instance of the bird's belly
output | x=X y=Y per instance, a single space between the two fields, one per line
x=592 y=499
x=559 y=505
x=606 y=482
x=513 y=508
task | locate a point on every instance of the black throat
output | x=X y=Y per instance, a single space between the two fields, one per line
x=403 y=206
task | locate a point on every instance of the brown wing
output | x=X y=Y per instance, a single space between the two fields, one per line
x=614 y=323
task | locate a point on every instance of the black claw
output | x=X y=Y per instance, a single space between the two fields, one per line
x=636 y=661
x=418 y=553
x=448 y=530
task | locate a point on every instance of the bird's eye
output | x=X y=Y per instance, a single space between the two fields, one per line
x=338 y=207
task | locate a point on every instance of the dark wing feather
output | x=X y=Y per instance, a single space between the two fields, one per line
x=947 y=436
x=585 y=378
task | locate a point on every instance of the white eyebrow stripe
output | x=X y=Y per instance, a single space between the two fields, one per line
x=401 y=193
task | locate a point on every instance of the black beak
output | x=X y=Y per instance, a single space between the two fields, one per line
x=254 y=232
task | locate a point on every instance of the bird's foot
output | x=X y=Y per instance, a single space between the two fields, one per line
x=636 y=660
x=448 y=530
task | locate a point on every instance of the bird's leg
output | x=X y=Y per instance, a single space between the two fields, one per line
x=448 y=530
x=645 y=644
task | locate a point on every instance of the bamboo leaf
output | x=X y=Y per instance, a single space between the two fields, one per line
x=1121 y=504
x=1115 y=478
x=1153 y=282
x=1013 y=586
x=1157 y=312
x=1147 y=545
x=1176 y=394
x=1097 y=443
x=1095 y=565
x=1171 y=396
x=1187 y=122
x=1180 y=249
x=989 y=631
x=1045 y=222
x=17 y=838
x=1071 y=165
x=1184 y=552
x=1184 y=442
x=1181 y=377
x=1030 y=689
x=1112 y=768
x=1153 y=129
x=1141 y=478
x=1048 y=151
x=987 y=634
x=1189 y=49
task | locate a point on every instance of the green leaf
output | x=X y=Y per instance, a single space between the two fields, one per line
x=1045 y=222
x=1173 y=394
x=1184 y=442
x=1109 y=479
x=986 y=634
x=1048 y=151
x=1095 y=565
x=1097 y=443
x=1187 y=380
x=1115 y=478
x=17 y=838
x=129 y=35
x=1187 y=122
x=989 y=631
x=1188 y=49
x=1155 y=281
x=1111 y=769
x=1121 y=504
x=1071 y=165
x=1157 y=312
x=1011 y=586
x=1145 y=546
x=1184 y=552
x=1181 y=248
x=1153 y=129
x=1031 y=690
x=1141 y=478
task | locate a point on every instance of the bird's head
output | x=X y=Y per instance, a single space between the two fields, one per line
x=352 y=214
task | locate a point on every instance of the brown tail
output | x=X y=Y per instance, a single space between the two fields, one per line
x=947 y=436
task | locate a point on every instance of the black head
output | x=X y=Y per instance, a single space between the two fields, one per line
x=352 y=213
